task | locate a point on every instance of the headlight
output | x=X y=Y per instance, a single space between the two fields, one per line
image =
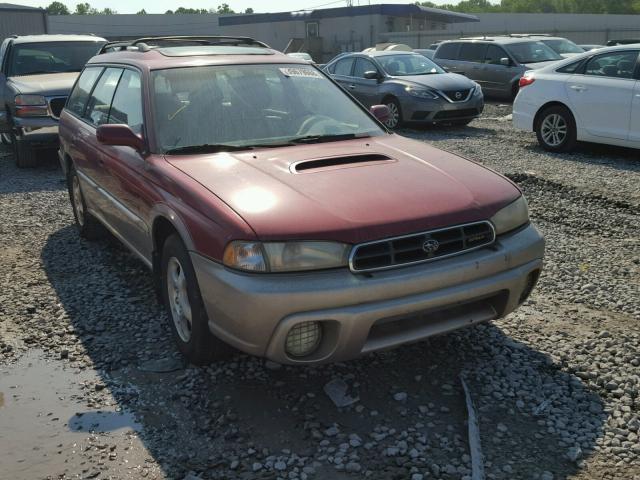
x=511 y=217
x=30 y=100
x=421 y=93
x=477 y=89
x=285 y=256
x=31 y=106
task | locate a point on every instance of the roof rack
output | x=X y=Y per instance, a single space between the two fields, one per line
x=483 y=37
x=518 y=35
x=145 y=44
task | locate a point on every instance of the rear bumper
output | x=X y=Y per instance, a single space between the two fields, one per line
x=523 y=115
x=437 y=111
x=363 y=313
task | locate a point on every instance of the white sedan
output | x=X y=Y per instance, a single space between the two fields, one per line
x=593 y=97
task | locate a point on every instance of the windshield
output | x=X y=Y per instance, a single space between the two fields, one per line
x=404 y=65
x=243 y=106
x=563 y=46
x=51 y=57
x=532 y=52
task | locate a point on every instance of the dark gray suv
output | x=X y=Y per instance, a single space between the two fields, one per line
x=414 y=88
x=36 y=75
x=496 y=63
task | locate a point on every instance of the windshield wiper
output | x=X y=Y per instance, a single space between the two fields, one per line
x=327 y=138
x=206 y=148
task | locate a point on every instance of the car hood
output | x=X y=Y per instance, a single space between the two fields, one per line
x=48 y=84
x=418 y=188
x=539 y=65
x=439 y=81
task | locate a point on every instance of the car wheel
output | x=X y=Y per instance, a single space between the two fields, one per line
x=23 y=154
x=395 y=113
x=556 y=129
x=187 y=315
x=88 y=226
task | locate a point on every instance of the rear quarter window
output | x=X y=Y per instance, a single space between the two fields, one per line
x=448 y=51
x=81 y=91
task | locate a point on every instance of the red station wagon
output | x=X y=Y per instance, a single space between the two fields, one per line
x=277 y=214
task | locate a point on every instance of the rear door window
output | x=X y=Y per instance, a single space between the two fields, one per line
x=127 y=102
x=80 y=94
x=343 y=67
x=97 y=112
x=448 y=51
x=473 y=52
x=613 y=64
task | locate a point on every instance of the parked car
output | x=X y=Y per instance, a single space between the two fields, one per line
x=36 y=74
x=314 y=235
x=415 y=89
x=496 y=63
x=625 y=41
x=593 y=97
x=425 y=52
x=302 y=55
x=589 y=47
x=562 y=46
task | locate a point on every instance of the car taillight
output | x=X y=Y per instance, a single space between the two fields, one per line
x=524 y=81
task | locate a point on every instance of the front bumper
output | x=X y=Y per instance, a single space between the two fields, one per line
x=416 y=110
x=367 y=312
x=38 y=132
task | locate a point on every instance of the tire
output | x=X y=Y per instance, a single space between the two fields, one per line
x=515 y=89
x=187 y=315
x=395 y=116
x=88 y=226
x=556 y=129
x=23 y=154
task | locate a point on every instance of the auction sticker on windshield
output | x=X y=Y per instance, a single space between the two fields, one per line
x=300 y=72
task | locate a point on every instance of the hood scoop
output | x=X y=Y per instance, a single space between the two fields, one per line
x=333 y=163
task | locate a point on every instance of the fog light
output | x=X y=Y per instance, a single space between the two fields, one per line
x=532 y=279
x=303 y=339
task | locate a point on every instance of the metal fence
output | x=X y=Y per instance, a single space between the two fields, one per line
x=596 y=37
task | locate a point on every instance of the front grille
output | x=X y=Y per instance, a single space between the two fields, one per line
x=454 y=97
x=451 y=114
x=56 y=105
x=421 y=247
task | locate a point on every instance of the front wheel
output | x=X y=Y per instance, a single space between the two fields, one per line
x=187 y=315
x=395 y=113
x=556 y=130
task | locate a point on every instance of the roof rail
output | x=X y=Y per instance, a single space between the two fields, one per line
x=483 y=37
x=518 y=35
x=145 y=44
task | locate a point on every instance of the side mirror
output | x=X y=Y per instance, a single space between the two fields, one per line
x=119 y=135
x=371 y=75
x=505 y=61
x=381 y=112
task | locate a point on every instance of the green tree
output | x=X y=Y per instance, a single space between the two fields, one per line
x=57 y=8
x=248 y=11
x=108 y=11
x=224 y=9
x=143 y=12
x=85 y=9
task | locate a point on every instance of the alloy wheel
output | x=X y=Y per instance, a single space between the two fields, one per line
x=394 y=115
x=179 y=299
x=554 y=130
x=78 y=205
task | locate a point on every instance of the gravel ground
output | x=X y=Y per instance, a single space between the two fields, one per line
x=91 y=385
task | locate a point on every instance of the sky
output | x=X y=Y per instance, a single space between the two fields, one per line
x=259 y=6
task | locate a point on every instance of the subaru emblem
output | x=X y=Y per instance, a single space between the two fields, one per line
x=458 y=95
x=431 y=246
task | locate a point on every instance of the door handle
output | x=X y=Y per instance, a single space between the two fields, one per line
x=578 y=88
x=352 y=86
x=637 y=95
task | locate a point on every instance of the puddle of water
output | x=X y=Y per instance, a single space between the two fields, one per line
x=43 y=422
